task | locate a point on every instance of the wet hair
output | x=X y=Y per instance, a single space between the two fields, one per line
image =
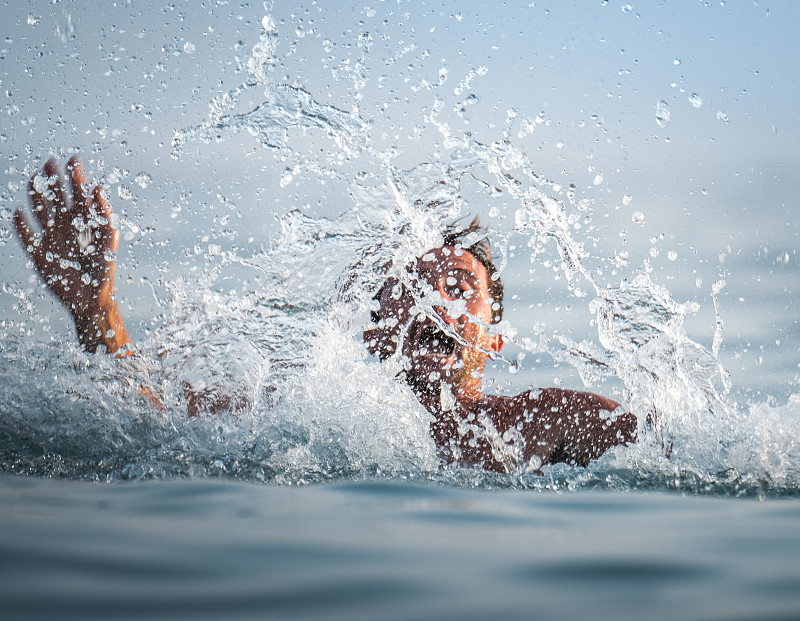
x=473 y=238
x=479 y=247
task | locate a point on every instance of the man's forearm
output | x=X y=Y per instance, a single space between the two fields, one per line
x=102 y=327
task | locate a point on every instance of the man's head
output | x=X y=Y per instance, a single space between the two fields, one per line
x=474 y=239
x=461 y=283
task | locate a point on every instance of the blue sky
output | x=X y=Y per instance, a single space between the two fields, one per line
x=715 y=184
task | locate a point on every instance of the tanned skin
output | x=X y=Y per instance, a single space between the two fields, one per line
x=75 y=254
x=471 y=428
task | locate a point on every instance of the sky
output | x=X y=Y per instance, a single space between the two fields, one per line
x=677 y=120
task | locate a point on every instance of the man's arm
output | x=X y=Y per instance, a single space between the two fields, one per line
x=75 y=253
x=573 y=426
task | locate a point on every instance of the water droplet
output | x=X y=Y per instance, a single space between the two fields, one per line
x=627 y=8
x=598 y=179
x=124 y=192
x=662 y=113
x=676 y=62
x=721 y=116
x=49 y=257
x=286 y=177
x=627 y=199
x=188 y=47
x=783 y=258
x=637 y=217
x=696 y=100
x=40 y=184
x=672 y=255
x=143 y=179
x=65 y=29
x=116 y=175
x=86 y=278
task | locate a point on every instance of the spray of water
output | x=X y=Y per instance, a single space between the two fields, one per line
x=302 y=399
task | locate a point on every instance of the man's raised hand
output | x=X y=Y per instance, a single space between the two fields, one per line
x=75 y=252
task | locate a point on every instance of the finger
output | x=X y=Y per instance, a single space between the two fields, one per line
x=24 y=232
x=102 y=206
x=38 y=203
x=42 y=195
x=107 y=237
x=77 y=180
x=58 y=203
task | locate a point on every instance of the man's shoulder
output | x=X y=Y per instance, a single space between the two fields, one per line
x=510 y=403
x=538 y=398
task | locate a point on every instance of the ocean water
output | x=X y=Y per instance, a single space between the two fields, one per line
x=389 y=549
x=253 y=241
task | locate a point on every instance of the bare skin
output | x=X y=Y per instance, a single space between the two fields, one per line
x=75 y=254
x=470 y=428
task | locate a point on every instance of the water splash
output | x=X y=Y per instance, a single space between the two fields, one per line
x=662 y=114
x=286 y=107
x=284 y=359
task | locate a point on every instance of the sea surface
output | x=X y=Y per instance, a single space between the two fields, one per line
x=384 y=549
x=323 y=498
x=274 y=200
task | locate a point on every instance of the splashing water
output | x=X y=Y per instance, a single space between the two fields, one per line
x=284 y=359
x=663 y=114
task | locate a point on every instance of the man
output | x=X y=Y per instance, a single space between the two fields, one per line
x=445 y=351
x=446 y=356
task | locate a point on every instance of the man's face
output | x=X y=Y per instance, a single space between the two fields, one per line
x=455 y=349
